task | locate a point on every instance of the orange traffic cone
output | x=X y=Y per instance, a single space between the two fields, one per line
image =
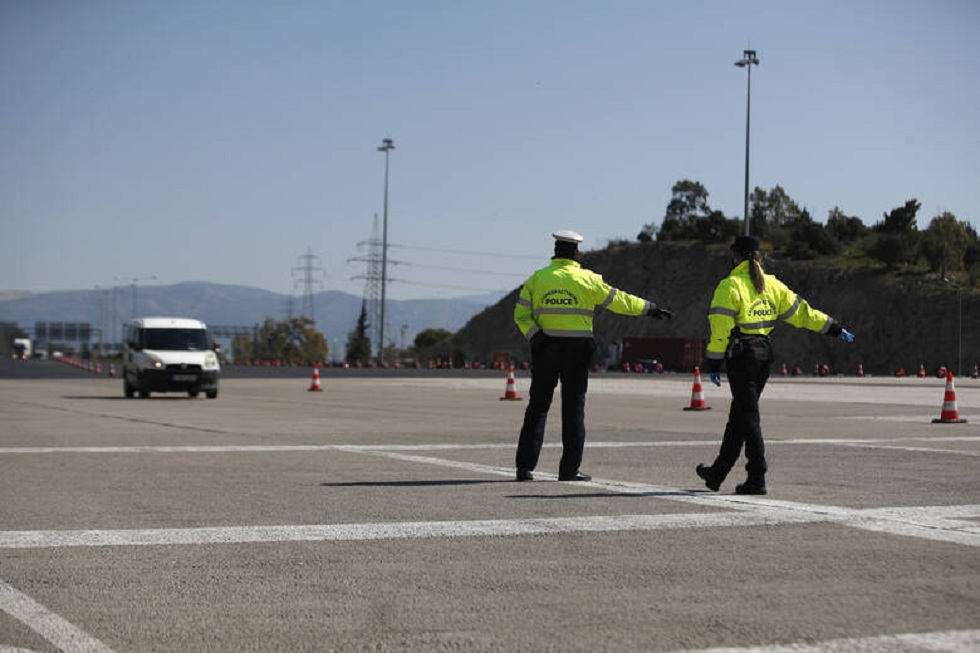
x=922 y=371
x=697 y=393
x=315 y=385
x=950 y=414
x=860 y=370
x=784 y=371
x=511 y=392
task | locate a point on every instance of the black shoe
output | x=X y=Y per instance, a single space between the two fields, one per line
x=708 y=476
x=750 y=488
x=524 y=475
x=577 y=476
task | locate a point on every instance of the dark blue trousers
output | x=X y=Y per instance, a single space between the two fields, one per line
x=558 y=359
x=747 y=376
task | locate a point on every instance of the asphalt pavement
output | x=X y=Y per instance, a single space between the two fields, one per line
x=381 y=514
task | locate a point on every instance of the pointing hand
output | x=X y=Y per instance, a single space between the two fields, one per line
x=846 y=335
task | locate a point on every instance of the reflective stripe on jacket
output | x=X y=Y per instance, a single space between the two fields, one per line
x=737 y=304
x=561 y=299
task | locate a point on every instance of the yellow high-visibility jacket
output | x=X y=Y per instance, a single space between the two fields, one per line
x=737 y=304
x=561 y=299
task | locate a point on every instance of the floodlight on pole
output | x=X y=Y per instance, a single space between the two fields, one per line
x=748 y=60
x=959 y=320
x=386 y=146
x=135 y=282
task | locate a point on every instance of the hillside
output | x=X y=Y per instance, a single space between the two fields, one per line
x=897 y=322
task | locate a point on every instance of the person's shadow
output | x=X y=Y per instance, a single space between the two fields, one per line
x=414 y=483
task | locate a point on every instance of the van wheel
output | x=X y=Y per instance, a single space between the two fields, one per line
x=212 y=394
x=144 y=394
x=192 y=393
x=128 y=389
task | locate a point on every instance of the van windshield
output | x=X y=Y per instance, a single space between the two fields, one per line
x=175 y=339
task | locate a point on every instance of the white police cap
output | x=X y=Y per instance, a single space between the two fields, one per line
x=567 y=236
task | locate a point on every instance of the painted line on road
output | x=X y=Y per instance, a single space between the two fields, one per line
x=64 y=635
x=923 y=419
x=945 y=523
x=288 y=448
x=389 y=530
x=957 y=452
x=951 y=641
x=937 y=523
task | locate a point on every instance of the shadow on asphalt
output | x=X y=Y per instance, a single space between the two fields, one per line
x=121 y=398
x=434 y=483
x=607 y=495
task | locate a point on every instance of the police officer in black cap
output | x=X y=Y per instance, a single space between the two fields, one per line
x=745 y=308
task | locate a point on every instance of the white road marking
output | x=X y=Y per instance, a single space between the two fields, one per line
x=938 y=523
x=950 y=641
x=933 y=523
x=387 y=530
x=942 y=523
x=957 y=452
x=922 y=419
x=288 y=448
x=65 y=636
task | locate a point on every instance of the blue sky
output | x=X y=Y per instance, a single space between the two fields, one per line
x=220 y=141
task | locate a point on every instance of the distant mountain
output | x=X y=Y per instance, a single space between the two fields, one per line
x=228 y=305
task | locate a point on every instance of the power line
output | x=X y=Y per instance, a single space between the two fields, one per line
x=374 y=273
x=465 y=252
x=463 y=270
x=312 y=275
x=441 y=285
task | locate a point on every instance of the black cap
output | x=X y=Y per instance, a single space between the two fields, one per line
x=745 y=245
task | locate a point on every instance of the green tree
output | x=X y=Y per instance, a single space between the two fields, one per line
x=431 y=337
x=716 y=228
x=688 y=204
x=291 y=340
x=242 y=348
x=305 y=342
x=971 y=259
x=845 y=229
x=358 y=341
x=808 y=239
x=896 y=238
x=900 y=220
x=945 y=244
x=772 y=212
x=391 y=353
x=268 y=342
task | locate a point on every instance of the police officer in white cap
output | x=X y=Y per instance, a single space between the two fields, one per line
x=554 y=312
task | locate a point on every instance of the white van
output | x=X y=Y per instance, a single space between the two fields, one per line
x=169 y=354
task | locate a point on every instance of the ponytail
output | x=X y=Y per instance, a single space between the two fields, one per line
x=756 y=272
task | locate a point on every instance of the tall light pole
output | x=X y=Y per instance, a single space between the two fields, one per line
x=959 y=321
x=136 y=281
x=959 y=348
x=387 y=145
x=748 y=60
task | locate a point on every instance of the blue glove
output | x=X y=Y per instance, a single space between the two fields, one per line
x=715 y=378
x=846 y=335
